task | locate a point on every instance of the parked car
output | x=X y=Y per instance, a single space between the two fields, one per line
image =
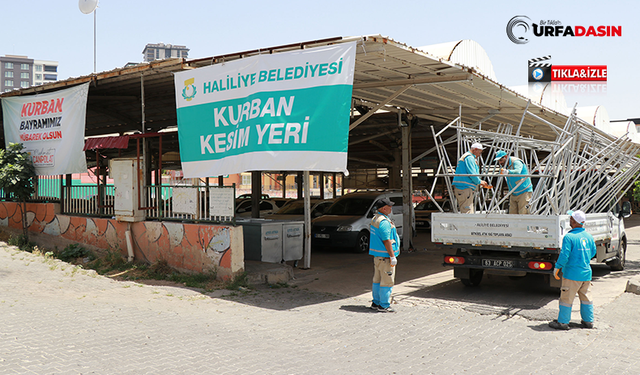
x=248 y=196
x=267 y=206
x=295 y=210
x=346 y=222
x=424 y=210
x=281 y=202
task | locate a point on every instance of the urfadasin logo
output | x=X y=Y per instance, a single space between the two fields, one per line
x=517 y=27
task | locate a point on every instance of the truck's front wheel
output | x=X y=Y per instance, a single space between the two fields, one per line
x=618 y=263
x=475 y=277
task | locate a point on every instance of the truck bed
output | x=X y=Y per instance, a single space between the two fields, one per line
x=531 y=231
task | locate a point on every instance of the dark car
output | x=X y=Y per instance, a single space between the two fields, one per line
x=295 y=210
x=346 y=223
x=424 y=209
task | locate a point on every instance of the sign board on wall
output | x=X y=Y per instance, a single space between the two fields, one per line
x=281 y=111
x=51 y=127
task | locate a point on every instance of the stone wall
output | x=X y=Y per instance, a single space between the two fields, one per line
x=186 y=247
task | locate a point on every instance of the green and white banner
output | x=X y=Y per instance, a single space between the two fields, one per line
x=282 y=111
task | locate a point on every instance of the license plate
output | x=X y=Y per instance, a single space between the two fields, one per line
x=497 y=263
x=320 y=235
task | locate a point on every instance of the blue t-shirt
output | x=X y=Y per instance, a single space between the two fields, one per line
x=578 y=247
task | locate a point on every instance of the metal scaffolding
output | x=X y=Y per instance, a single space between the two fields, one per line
x=582 y=168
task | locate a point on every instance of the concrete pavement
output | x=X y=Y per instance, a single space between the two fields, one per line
x=58 y=319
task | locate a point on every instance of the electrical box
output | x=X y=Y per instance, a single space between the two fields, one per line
x=125 y=178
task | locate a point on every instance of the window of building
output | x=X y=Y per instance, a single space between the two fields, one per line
x=8 y=65
x=24 y=66
x=38 y=68
x=38 y=76
x=50 y=77
x=157 y=54
x=246 y=179
x=24 y=84
x=8 y=82
x=167 y=53
x=24 y=75
x=8 y=74
x=50 y=68
x=185 y=54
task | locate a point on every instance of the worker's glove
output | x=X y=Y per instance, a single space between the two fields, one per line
x=393 y=261
x=503 y=171
x=555 y=273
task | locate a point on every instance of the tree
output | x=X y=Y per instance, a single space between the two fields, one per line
x=17 y=178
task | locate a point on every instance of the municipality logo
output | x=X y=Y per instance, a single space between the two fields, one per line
x=189 y=91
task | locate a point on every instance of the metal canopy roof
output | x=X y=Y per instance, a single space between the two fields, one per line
x=388 y=75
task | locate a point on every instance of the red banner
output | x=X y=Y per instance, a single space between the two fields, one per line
x=578 y=72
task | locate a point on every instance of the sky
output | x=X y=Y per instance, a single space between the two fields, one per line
x=57 y=30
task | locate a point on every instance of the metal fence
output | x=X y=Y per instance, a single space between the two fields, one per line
x=47 y=189
x=89 y=200
x=214 y=204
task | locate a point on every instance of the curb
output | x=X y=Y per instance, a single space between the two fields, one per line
x=633 y=285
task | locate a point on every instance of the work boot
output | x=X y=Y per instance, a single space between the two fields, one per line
x=588 y=325
x=557 y=325
x=386 y=309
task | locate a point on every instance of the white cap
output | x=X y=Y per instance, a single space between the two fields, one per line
x=578 y=216
x=477 y=145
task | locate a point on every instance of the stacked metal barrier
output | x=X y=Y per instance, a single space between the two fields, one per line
x=582 y=168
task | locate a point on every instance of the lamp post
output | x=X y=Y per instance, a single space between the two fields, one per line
x=87 y=7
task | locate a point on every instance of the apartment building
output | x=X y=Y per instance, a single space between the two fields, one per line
x=21 y=71
x=161 y=51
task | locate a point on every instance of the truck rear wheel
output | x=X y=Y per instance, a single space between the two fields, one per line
x=618 y=263
x=475 y=277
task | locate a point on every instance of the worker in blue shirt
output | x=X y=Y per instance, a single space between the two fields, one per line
x=521 y=194
x=384 y=245
x=578 y=247
x=465 y=186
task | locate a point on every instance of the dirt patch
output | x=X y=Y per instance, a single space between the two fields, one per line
x=45 y=241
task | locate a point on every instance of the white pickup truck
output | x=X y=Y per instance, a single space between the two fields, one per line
x=515 y=245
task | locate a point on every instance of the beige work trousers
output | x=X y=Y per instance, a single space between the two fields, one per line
x=570 y=288
x=519 y=204
x=465 y=200
x=383 y=273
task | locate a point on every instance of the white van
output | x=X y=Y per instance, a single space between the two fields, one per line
x=346 y=223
